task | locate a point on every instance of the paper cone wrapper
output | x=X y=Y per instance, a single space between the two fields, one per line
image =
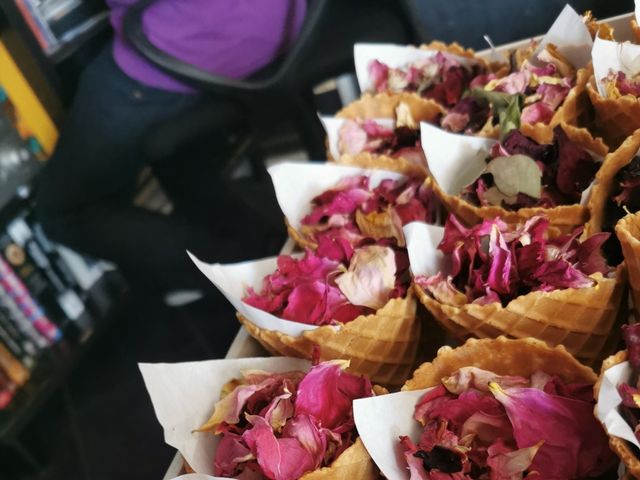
x=394 y=412
x=616 y=370
x=296 y=184
x=628 y=232
x=603 y=186
x=382 y=345
x=584 y=320
x=456 y=161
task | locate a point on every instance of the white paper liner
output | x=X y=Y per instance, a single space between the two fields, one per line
x=232 y=280
x=609 y=400
x=637 y=11
x=184 y=396
x=454 y=160
x=296 y=184
x=381 y=421
x=618 y=57
x=395 y=56
x=332 y=127
x=571 y=36
x=422 y=245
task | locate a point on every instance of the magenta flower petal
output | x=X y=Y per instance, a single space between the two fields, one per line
x=279 y=458
x=575 y=446
x=327 y=392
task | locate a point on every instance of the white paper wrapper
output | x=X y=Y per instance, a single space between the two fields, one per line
x=296 y=184
x=394 y=414
x=609 y=400
x=454 y=160
x=637 y=11
x=395 y=56
x=332 y=127
x=571 y=36
x=232 y=280
x=619 y=57
x=422 y=245
x=184 y=395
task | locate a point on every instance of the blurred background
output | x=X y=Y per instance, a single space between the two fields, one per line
x=72 y=402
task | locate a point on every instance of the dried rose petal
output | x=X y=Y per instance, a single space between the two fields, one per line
x=575 y=446
x=508 y=464
x=279 y=458
x=327 y=392
x=630 y=395
x=631 y=335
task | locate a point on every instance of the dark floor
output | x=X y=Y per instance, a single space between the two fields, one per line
x=101 y=425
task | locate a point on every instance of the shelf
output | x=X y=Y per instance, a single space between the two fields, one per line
x=56 y=363
x=98 y=24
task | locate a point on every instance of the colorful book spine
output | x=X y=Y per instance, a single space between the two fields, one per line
x=7 y=390
x=17 y=318
x=37 y=25
x=12 y=367
x=20 y=295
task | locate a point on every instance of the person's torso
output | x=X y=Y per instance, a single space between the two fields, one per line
x=233 y=38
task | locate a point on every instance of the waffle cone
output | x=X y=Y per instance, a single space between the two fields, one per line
x=618 y=445
x=352 y=464
x=383 y=105
x=628 y=232
x=453 y=48
x=615 y=118
x=635 y=29
x=382 y=345
x=383 y=162
x=581 y=319
x=503 y=356
x=564 y=218
x=604 y=182
x=301 y=240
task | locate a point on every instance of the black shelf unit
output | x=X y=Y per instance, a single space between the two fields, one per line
x=53 y=76
x=55 y=365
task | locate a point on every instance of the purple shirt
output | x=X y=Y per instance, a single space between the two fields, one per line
x=232 y=38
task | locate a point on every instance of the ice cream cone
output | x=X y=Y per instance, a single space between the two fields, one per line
x=618 y=445
x=604 y=183
x=581 y=319
x=382 y=345
x=628 y=232
x=301 y=240
x=564 y=218
x=352 y=464
x=384 y=105
x=503 y=356
x=615 y=118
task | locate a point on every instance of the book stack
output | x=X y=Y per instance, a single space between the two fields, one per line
x=44 y=288
x=56 y=22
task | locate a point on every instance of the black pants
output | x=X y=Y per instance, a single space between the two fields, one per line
x=85 y=192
